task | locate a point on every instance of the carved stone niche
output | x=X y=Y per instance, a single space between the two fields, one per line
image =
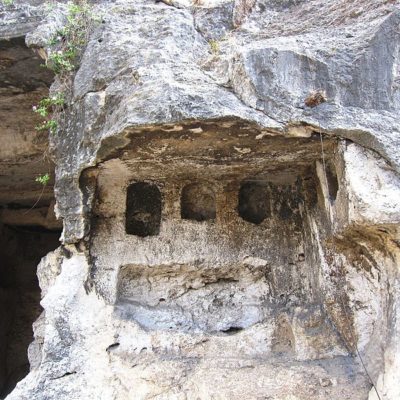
x=198 y=202
x=143 y=209
x=238 y=248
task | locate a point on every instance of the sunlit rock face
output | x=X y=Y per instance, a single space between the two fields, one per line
x=224 y=236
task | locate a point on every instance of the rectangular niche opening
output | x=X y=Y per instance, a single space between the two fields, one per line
x=253 y=202
x=143 y=209
x=198 y=202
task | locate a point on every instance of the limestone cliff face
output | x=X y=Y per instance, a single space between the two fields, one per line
x=227 y=175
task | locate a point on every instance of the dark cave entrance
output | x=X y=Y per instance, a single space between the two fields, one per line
x=21 y=249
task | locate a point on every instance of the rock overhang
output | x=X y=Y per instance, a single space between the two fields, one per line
x=111 y=94
x=168 y=121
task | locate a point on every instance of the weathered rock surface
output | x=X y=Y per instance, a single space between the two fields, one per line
x=222 y=239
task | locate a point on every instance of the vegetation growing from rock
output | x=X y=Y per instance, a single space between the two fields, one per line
x=64 y=52
x=68 y=43
x=228 y=214
x=7 y=2
x=65 y=49
x=214 y=46
x=43 y=179
x=49 y=107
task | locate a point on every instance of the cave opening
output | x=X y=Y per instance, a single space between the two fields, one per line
x=21 y=248
x=143 y=209
x=198 y=202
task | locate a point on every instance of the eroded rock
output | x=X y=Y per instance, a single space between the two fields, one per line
x=222 y=239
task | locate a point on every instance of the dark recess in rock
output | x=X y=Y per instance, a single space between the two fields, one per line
x=198 y=202
x=332 y=181
x=253 y=202
x=20 y=67
x=20 y=251
x=232 y=330
x=143 y=209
